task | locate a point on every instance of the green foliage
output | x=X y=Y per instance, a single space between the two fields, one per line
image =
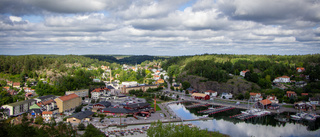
x=91 y=131
x=81 y=127
x=38 y=120
x=185 y=85
x=26 y=130
x=157 y=129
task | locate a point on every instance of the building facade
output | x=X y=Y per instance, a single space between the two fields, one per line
x=68 y=102
x=20 y=107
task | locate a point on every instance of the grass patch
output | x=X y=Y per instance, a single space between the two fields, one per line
x=287 y=106
x=157 y=107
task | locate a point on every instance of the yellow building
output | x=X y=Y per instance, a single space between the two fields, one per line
x=68 y=102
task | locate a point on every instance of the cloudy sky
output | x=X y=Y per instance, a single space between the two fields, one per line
x=159 y=27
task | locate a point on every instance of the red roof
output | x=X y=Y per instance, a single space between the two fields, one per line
x=254 y=94
x=211 y=91
x=46 y=112
x=68 y=97
x=301 y=68
x=304 y=94
x=100 y=89
x=16 y=84
x=44 y=102
x=291 y=92
x=265 y=102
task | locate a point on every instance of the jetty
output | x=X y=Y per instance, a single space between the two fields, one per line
x=216 y=110
x=198 y=105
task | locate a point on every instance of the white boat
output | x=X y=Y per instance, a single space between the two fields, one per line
x=204 y=116
x=311 y=117
x=298 y=116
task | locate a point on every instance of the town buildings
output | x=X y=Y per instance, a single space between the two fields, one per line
x=80 y=117
x=144 y=88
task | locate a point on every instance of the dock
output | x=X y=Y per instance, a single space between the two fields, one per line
x=198 y=105
x=216 y=110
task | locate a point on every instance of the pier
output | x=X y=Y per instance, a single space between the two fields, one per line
x=198 y=105
x=216 y=110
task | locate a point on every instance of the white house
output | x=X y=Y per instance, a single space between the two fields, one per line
x=243 y=73
x=47 y=115
x=273 y=99
x=255 y=97
x=226 y=95
x=211 y=93
x=96 y=93
x=283 y=79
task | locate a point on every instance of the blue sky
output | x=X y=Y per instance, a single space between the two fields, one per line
x=159 y=27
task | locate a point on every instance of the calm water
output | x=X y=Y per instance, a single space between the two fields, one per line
x=260 y=127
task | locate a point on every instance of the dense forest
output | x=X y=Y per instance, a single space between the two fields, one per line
x=131 y=60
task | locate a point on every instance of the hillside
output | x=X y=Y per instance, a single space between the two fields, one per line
x=216 y=72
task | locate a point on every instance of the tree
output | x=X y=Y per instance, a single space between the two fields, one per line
x=187 y=92
x=185 y=85
x=39 y=120
x=157 y=129
x=91 y=131
x=81 y=127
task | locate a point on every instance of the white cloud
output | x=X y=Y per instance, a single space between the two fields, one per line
x=147 y=26
x=15 y=18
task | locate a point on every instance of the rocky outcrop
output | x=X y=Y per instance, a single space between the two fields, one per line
x=235 y=85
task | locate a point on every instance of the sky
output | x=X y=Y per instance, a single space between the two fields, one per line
x=159 y=27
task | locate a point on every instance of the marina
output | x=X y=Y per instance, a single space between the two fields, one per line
x=252 y=125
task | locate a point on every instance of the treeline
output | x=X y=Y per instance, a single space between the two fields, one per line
x=132 y=60
x=29 y=63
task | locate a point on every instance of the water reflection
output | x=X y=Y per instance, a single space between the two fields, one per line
x=265 y=126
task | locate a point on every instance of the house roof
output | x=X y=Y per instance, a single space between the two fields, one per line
x=68 y=97
x=137 y=105
x=199 y=94
x=21 y=102
x=190 y=89
x=265 y=102
x=100 y=89
x=104 y=103
x=291 y=92
x=16 y=84
x=47 y=112
x=117 y=110
x=301 y=68
x=314 y=99
x=110 y=87
x=82 y=114
x=304 y=94
x=283 y=77
x=45 y=102
x=211 y=91
x=46 y=97
x=254 y=94
x=35 y=111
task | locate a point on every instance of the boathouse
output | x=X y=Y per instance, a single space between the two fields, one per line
x=200 y=96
